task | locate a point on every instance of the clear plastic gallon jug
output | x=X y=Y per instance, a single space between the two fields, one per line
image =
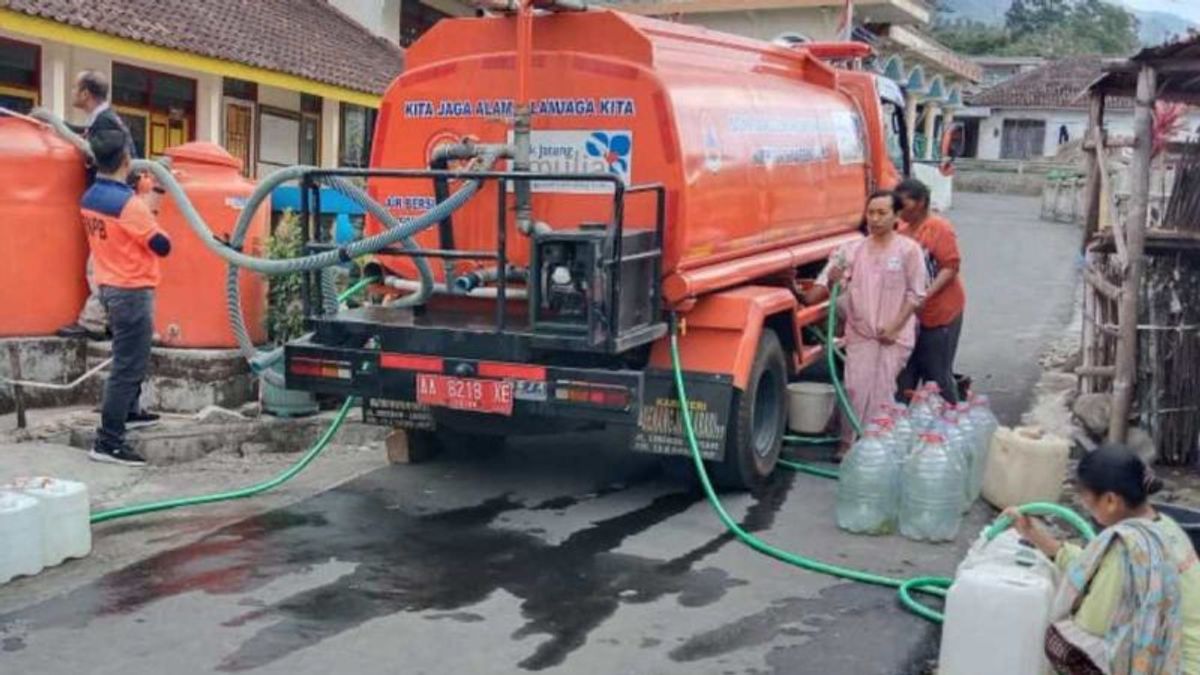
x=885 y=428
x=971 y=431
x=985 y=424
x=997 y=610
x=905 y=434
x=868 y=491
x=1025 y=465
x=931 y=491
x=66 y=532
x=926 y=408
x=20 y=535
x=960 y=449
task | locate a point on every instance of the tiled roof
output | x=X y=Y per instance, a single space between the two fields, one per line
x=1055 y=84
x=306 y=38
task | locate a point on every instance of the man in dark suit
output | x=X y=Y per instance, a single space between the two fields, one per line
x=91 y=96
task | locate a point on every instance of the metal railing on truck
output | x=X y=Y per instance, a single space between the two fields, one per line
x=317 y=239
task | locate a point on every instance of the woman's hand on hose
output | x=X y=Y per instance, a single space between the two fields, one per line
x=1032 y=532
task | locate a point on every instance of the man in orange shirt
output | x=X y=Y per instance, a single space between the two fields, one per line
x=126 y=244
x=941 y=315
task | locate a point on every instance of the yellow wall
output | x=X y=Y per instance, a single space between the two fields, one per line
x=23 y=26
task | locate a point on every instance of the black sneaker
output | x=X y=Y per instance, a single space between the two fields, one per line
x=75 y=331
x=141 y=419
x=123 y=455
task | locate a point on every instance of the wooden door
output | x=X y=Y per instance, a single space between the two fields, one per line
x=239 y=133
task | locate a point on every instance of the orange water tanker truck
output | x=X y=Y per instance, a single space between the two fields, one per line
x=652 y=177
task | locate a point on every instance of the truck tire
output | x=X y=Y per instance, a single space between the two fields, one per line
x=755 y=434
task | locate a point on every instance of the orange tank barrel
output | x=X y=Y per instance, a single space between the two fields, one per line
x=758 y=146
x=190 y=307
x=43 y=249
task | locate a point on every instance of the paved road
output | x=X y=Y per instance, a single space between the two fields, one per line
x=559 y=555
x=1021 y=276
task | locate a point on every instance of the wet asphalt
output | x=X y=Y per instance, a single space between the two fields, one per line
x=561 y=554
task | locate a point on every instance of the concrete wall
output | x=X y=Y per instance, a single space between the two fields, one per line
x=1118 y=123
x=991 y=129
x=381 y=17
x=451 y=7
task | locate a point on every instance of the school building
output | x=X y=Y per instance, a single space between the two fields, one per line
x=276 y=82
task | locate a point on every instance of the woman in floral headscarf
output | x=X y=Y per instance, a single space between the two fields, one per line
x=1129 y=603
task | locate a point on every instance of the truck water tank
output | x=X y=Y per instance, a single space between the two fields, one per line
x=997 y=610
x=756 y=145
x=44 y=249
x=65 y=511
x=190 y=308
x=21 y=532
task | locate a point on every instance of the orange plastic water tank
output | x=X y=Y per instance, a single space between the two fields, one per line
x=43 y=249
x=190 y=307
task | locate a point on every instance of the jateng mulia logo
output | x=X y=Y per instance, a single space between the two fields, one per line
x=613 y=149
x=581 y=151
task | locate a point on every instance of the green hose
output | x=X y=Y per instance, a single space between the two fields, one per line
x=356 y=287
x=811 y=469
x=809 y=440
x=830 y=348
x=758 y=544
x=906 y=587
x=258 y=488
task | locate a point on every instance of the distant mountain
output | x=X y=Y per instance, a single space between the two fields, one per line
x=1158 y=27
x=1158 y=20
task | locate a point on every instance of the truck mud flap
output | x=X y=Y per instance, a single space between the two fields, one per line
x=660 y=424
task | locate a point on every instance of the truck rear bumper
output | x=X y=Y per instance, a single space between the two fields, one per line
x=645 y=401
x=388 y=383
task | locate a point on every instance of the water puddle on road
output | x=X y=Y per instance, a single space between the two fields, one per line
x=440 y=563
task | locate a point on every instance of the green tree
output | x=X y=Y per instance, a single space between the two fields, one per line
x=972 y=37
x=1048 y=28
x=1026 y=17
x=1109 y=28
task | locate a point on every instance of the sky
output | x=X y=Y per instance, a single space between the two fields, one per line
x=1188 y=9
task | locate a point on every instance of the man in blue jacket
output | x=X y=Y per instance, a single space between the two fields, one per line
x=91 y=96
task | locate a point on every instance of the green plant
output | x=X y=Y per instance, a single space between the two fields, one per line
x=285 y=303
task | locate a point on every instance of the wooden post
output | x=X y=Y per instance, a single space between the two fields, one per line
x=1095 y=136
x=1086 y=384
x=1135 y=240
x=14 y=363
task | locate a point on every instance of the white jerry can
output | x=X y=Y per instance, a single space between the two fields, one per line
x=20 y=535
x=66 y=526
x=998 y=610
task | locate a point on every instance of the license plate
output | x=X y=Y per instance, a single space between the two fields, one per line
x=459 y=393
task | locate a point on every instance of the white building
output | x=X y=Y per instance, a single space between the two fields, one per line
x=1032 y=114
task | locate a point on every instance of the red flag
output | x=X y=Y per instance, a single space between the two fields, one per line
x=845 y=27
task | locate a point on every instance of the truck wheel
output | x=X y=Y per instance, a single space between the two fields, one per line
x=755 y=436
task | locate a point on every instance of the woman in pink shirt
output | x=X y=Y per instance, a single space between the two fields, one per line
x=884 y=280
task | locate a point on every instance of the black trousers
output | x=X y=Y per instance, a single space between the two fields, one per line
x=131 y=319
x=932 y=359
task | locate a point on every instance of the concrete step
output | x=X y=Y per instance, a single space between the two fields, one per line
x=183 y=439
x=180 y=380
